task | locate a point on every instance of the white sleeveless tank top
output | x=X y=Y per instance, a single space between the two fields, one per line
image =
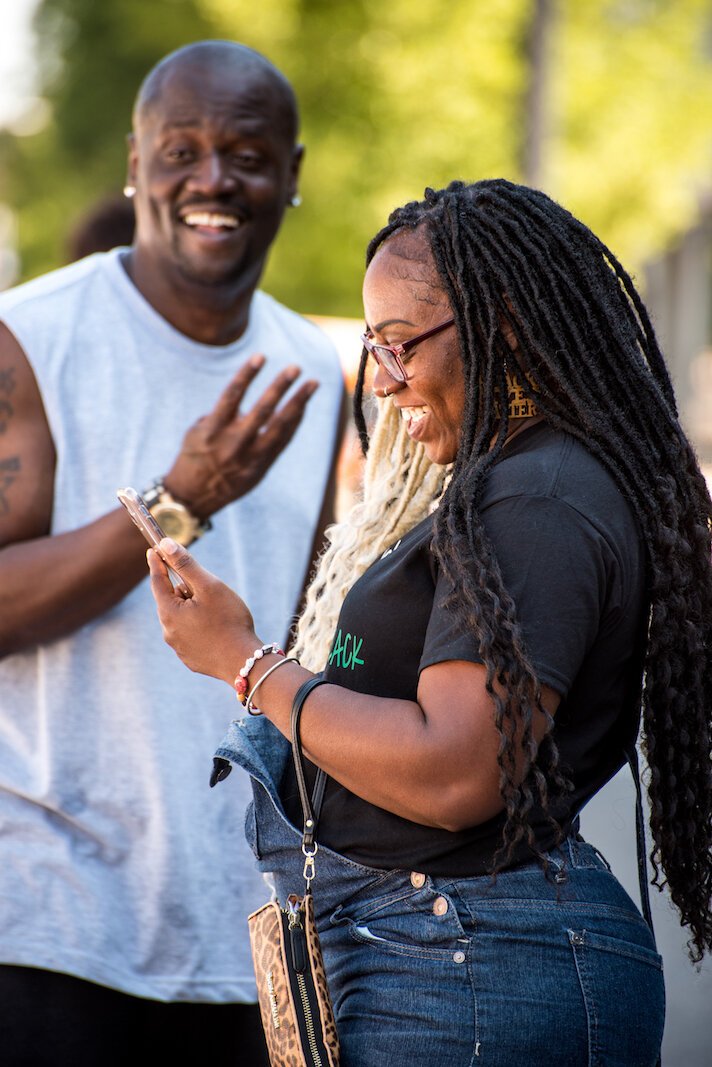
x=118 y=863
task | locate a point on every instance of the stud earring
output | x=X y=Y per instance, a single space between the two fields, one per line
x=295 y=201
x=129 y=191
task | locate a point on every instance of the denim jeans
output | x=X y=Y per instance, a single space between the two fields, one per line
x=557 y=971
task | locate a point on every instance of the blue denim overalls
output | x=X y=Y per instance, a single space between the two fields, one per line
x=557 y=971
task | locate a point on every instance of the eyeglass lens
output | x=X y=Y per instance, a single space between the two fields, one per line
x=388 y=361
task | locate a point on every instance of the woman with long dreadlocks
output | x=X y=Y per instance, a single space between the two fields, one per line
x=529 y=567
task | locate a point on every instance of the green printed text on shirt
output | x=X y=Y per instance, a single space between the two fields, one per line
x=345 y=651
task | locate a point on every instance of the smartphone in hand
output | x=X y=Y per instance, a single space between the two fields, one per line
x=142 y=517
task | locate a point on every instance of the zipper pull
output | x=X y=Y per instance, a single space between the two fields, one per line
x=299 y=948
x=297 y=938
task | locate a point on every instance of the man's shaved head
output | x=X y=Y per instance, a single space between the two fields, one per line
x=214 y=56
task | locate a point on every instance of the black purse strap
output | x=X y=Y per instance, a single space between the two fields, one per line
x=311 y=809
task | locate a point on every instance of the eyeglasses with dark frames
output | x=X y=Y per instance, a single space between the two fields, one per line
x=390 y=357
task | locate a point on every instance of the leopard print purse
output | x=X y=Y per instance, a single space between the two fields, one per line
x=296 y=1010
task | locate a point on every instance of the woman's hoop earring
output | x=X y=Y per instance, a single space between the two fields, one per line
x=386 y=392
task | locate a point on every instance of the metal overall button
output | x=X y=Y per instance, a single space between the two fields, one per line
x=417 y=880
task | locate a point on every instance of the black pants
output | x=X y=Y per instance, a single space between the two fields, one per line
x=49 y=1019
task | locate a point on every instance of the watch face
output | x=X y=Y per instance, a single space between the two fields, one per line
x=173 y=524
x=175 y=521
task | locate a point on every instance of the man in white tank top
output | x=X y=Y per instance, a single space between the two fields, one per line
x=125 y=881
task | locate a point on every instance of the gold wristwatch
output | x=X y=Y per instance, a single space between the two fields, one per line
x=174 y=518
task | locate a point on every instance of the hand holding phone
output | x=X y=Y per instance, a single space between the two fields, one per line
x=142 y=517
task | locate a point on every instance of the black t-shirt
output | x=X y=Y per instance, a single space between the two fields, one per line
x=572 y=558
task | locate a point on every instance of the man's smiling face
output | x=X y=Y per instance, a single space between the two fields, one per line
x=214 y=163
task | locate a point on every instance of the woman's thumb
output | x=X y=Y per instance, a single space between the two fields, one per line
x=176 y=556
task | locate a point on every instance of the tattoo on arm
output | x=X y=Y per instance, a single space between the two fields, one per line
x=6 y=413
x=9 y=469
x=7 y=388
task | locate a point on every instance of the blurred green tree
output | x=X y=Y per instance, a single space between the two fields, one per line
x=632 y=115
x=92 y=57
x=604 y=103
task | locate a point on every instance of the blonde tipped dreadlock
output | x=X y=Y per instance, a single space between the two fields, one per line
x=400 y=487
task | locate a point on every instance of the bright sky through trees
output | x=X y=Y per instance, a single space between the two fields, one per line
x=16 y=58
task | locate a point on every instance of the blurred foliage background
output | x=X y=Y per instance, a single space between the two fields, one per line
x=606 y=104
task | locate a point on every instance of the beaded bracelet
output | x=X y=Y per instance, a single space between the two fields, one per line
x=240 y=682
x=251 y=709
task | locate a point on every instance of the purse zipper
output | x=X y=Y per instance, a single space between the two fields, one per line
x=309 y=1022
x=299 y=957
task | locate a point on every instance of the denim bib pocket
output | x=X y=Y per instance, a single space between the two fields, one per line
x=407 y=921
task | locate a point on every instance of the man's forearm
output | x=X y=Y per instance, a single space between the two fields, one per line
x=51 y=586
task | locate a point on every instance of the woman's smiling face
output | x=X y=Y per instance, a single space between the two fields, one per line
x=403 y=297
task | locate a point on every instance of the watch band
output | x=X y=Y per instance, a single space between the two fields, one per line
x=157 y=496
x=154 y=491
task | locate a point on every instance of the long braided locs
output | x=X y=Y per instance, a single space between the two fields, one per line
x=586 y=352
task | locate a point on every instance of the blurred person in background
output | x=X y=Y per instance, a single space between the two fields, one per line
x=124 y=880
x=108 y=224
x=529 y=573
